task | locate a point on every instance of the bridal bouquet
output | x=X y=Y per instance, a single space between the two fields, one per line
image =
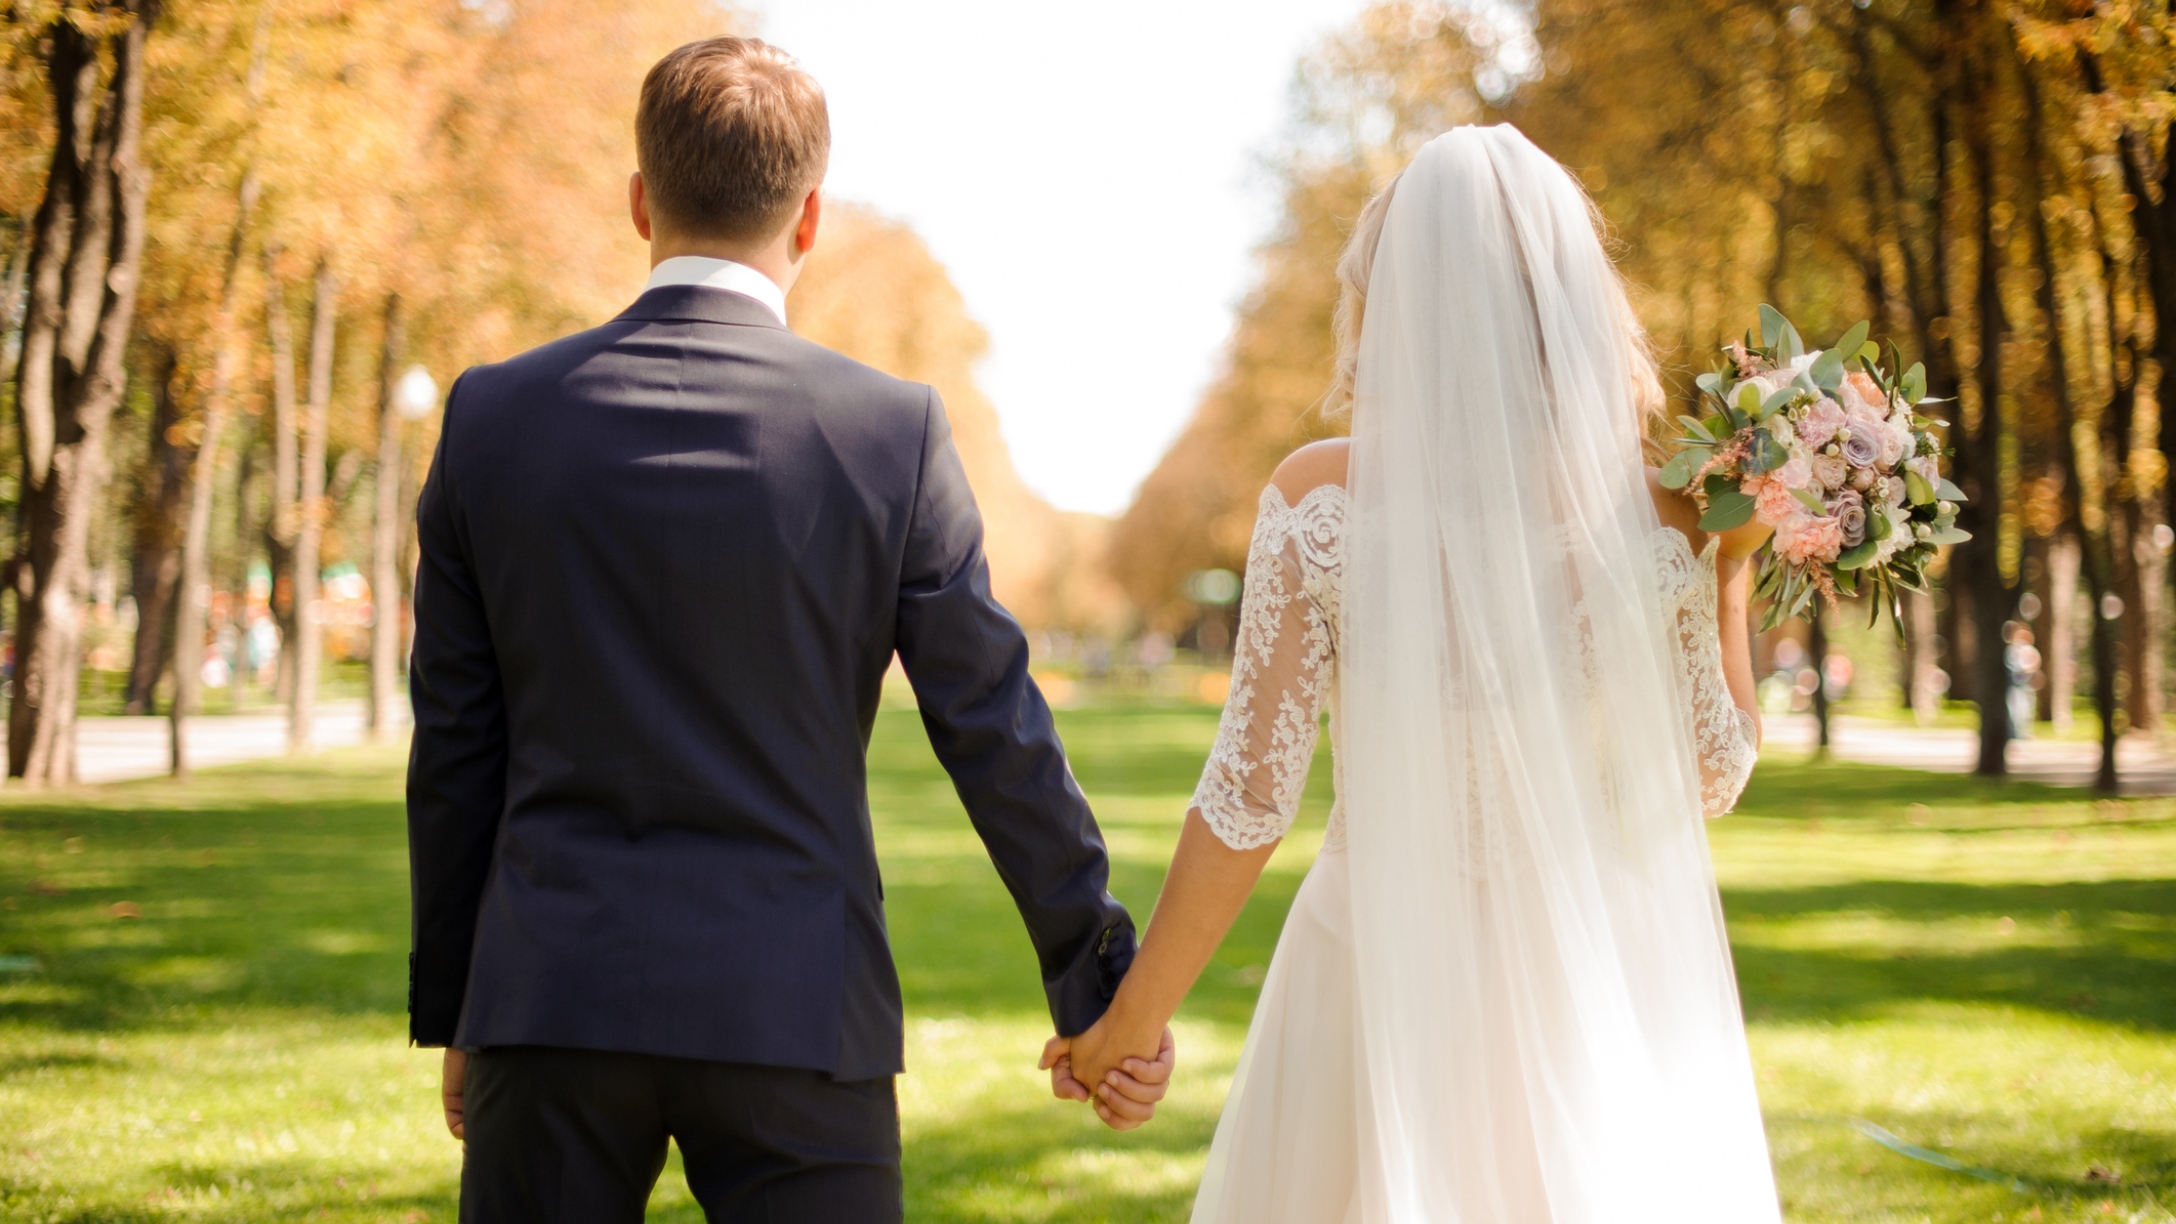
x=1829 y=448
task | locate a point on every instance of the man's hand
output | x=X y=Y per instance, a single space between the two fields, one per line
x=453 y=1089
x=1128 y=1087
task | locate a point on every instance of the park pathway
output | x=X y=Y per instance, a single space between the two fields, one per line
x=2143 y=767
x=119 y=748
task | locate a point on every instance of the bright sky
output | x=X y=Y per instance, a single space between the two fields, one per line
x=1088 y=174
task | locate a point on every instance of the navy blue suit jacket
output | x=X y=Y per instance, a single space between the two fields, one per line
x=665 y=566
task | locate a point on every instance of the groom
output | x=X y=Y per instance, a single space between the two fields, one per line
x=665 y=566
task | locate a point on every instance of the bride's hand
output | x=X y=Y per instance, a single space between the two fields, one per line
x=1095 y=1067
x=1741 y=542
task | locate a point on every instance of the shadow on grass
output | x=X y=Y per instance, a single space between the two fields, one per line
x=282 y=885
x=1838 y=791
x=2079 y=948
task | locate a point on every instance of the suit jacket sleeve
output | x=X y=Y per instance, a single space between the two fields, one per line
x=457 y=763
x=968 y=662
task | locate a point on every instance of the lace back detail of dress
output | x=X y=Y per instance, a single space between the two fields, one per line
x=1283 y=669
x=1725 y=738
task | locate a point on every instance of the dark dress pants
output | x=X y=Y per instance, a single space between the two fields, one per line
x=559 y=1136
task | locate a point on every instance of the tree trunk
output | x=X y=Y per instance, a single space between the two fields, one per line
x=247 y=530
x=156 y=565
x=285 y=524
x=1980 y=457
x=1817 y=652
x=193 y=602
x=2145 y=602
x=2061 y=647
x=88 y=236
x=2104 y=664
x=1923 y=681
x=312 y=514
x=385 y=545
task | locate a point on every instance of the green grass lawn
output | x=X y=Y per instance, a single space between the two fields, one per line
x=201 y=992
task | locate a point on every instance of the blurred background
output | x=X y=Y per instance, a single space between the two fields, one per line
x=246 y=246
x=317 y=199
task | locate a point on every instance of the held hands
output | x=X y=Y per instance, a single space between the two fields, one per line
x=1094 y=1067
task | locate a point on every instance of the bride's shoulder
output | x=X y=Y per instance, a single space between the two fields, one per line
x=1311 y=467
x=1676 y=509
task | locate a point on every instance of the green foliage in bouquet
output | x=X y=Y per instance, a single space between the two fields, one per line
x=1829 y=447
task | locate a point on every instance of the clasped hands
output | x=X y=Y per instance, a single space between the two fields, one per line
x=1105 y=1067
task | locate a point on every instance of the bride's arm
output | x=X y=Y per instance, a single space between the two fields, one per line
x=1282 y=668
x=1733 y=593
x=1208 y=884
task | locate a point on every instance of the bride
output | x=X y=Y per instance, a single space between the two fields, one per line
x=1503 y=994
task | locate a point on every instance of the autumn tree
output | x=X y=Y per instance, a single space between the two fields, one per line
x=85 y=245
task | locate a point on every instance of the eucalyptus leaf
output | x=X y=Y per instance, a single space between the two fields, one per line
x=1793 y=347
x=1847 y=581
x=1916 y=489
x=1827 y=370
x=1915 y=383
x=1772 y=326
x=1853 y=340
x=1767 y=454
x=1779 y=398
x=1856 y=556
x=1949 y=492
x=1693 y=426
x=1878 y=526
x=1810 y=500
x=1677 y=473
x=1727 y=510
x=1710 y=382
x=1748 y=400
x=1949 y=533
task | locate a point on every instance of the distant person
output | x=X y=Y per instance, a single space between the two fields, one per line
x=665 y=564
x=1503 y=994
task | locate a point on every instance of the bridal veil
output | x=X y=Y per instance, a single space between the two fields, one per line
x=1548 y=1026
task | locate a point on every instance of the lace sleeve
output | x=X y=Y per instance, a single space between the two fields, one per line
x=1728 y=749
x=1282 y=668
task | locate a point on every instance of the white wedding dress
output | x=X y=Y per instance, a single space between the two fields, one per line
x=1503 y=995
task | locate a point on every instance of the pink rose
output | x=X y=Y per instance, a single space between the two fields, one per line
x=1861 y=393
x=1830 y=470
x=1818 y=427
x=1896 y=441
x=1773 y=501
x=1805 y=538
x=1795 y=472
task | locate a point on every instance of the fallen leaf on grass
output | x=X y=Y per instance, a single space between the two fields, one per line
x=125 y=909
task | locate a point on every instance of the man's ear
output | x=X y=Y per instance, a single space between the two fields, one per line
x=638 y=205
x=804 y=234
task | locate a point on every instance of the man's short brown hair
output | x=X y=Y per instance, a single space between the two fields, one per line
x=730 y=135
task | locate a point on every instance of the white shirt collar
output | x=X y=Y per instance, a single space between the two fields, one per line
x=723 y=274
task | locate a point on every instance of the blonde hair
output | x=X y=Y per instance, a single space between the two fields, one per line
x=1354 y=268
x=1357 y=266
